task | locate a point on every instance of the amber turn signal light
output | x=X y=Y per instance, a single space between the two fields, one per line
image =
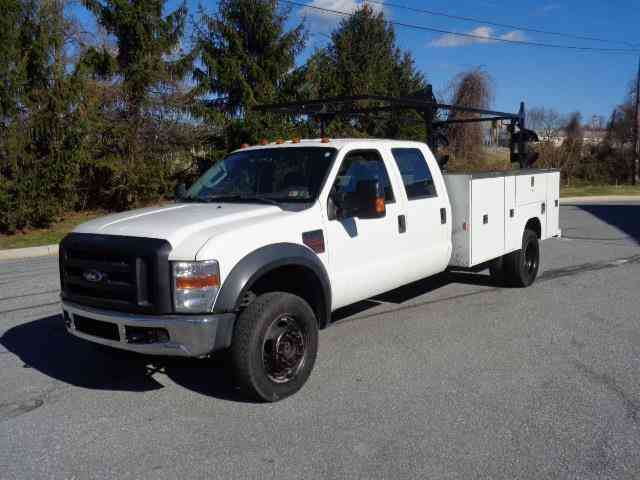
x=187 y=283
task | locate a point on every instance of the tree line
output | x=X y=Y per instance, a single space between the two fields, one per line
x=116 y=117
x=603 y=153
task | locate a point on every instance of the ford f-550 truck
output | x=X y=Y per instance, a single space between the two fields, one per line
x=256 y=254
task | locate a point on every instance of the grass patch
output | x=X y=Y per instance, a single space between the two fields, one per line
x=47 y=236
x=599 y=190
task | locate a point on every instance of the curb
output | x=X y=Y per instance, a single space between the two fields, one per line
x=600 y=198
x=17 y=253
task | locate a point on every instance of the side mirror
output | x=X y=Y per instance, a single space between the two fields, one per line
x=368 y=200
x=181 y=191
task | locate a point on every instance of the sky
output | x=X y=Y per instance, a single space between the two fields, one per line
x=566 y=80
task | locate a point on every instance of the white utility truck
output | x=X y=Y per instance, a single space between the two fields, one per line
x=259 y=251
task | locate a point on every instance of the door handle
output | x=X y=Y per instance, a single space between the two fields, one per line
x=402 y=223
x=443 y=216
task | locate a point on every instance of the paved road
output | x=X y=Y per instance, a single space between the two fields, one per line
x=448 y=378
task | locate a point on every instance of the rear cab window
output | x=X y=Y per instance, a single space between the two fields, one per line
x=416 y=176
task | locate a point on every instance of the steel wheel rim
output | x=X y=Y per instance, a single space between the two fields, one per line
x=530 y=258
x=283 y=349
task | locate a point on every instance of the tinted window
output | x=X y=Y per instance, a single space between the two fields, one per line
x=416 y=176
x=359 y=166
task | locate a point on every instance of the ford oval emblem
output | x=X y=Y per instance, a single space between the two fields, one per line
x=93 y=276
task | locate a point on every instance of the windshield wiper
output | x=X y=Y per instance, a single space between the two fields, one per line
x=241 y=198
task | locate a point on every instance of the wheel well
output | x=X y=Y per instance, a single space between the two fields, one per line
x=534 y=224
x=297 y=280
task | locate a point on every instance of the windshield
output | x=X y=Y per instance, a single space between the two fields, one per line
x=274 y=175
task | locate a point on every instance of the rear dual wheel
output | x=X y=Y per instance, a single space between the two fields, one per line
x=274 y=346
x=519 y=268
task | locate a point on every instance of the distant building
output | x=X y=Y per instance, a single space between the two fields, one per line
x=591 y=136
x=594 y=136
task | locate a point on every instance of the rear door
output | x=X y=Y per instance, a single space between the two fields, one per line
x=363 y=252
x=427 y=241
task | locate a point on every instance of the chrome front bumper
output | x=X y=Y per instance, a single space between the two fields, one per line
x=189 y=335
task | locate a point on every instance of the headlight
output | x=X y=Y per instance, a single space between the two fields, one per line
x=195 y=285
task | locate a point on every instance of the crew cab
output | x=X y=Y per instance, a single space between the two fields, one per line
x=256 y=255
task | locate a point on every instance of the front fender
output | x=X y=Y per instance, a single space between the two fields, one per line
x=248 y=270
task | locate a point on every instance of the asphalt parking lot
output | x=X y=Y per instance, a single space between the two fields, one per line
x=447 y=378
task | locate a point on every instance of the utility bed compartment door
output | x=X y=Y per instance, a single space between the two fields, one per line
x=553 y=204
x=531 y=188
x=513 y=235
x=487 y=219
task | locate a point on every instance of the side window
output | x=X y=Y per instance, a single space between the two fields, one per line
x=416 y=176
x=358 y=166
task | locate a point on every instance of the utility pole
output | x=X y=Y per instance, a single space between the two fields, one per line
x=635 y=179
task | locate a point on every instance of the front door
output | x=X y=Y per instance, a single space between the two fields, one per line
x=362 y=252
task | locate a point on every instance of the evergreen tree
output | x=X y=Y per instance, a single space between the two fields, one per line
x=143 y=73
x=364 y=59
x=38 y=140
x=12 y=71
x=246 y=56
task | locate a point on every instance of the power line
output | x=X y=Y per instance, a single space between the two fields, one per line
x=496 y=24
x=329 y=11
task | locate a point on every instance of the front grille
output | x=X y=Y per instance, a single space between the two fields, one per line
x=127 y=274
x=95 y=275
x=96 y=328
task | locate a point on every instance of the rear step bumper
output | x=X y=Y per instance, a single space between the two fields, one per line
x=171 y=335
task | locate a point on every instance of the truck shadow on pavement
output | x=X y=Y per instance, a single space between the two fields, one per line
x=625 y=218
x=46 y=346
x=414 y=290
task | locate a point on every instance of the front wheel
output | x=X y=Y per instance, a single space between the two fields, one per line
x=274 y=346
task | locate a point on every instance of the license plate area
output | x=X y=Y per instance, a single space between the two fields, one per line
x=96 y=328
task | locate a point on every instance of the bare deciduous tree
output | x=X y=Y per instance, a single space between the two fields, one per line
x=547 y=122
x=469 y=89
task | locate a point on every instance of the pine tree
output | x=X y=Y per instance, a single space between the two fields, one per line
x=12 y=71
x=246 y=56
x=363 y=59
x=38 y=137
x=142 y=71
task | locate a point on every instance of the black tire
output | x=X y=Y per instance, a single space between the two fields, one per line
x=274 y=348
x=521 y=267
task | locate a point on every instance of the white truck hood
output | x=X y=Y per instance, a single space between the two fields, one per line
x=192 y=223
